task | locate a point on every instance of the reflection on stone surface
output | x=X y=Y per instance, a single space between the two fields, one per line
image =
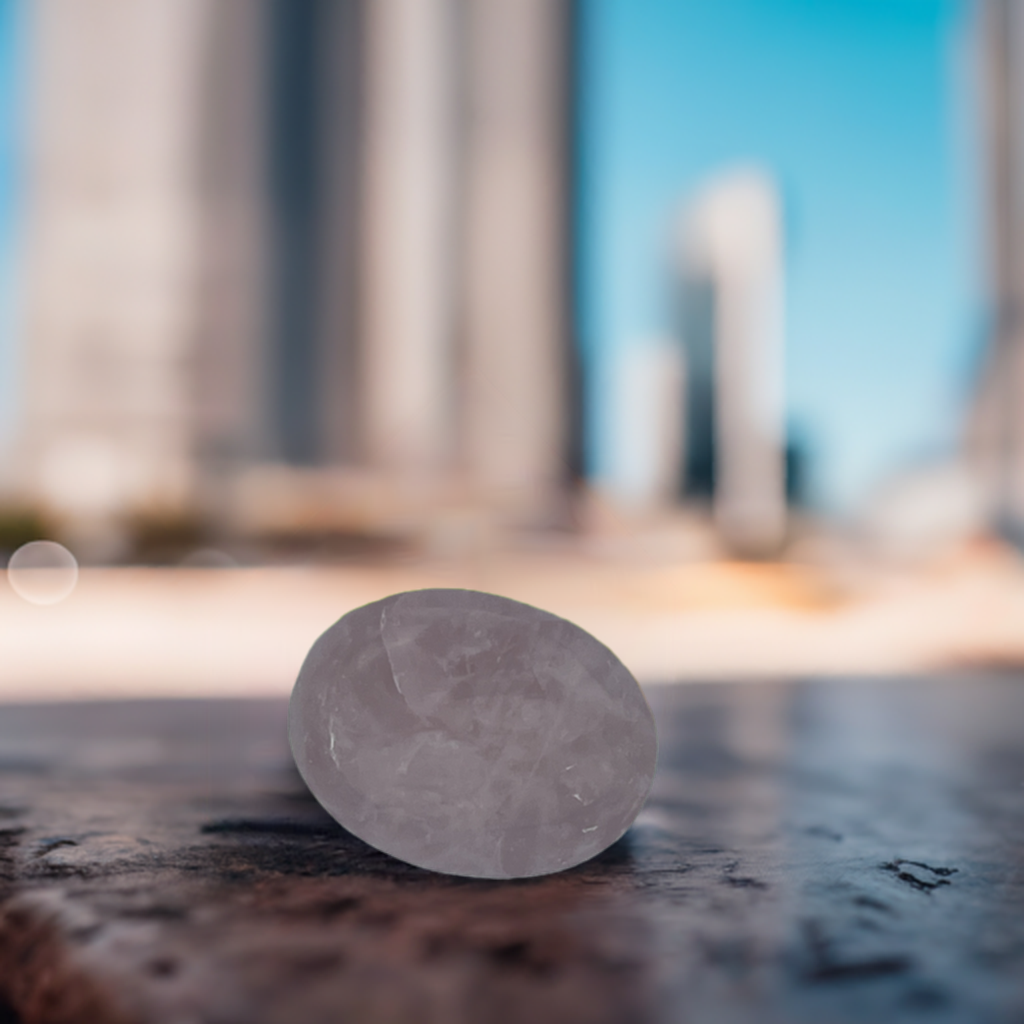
x=471 y=734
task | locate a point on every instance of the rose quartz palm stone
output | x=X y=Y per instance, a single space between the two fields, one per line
x=471 y=734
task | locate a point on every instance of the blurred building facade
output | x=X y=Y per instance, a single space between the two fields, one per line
x=699 y=417
x=731 y=274
x=113 y=245
x=299 y=259
x=995 y=434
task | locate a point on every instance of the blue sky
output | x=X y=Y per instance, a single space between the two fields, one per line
x=863 y=111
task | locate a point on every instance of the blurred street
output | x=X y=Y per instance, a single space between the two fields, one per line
x=218 y=632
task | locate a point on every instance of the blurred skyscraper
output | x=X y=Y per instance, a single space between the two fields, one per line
x=311 y=241
x=996 y=428
x=731 y=267
x=114 y=239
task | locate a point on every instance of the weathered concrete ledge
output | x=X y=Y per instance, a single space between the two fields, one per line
x=831 y=851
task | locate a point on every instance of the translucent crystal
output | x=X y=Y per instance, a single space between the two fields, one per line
x=471 y=734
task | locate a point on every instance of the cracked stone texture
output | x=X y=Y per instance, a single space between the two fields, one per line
x=472 y=735
x=848 y=852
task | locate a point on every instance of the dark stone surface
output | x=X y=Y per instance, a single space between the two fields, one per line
x=819 y=852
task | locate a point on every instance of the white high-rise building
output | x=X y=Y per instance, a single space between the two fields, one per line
x=995 y=434
x=317 y=234
x=467 y=297
x=113 y=243
x=731 y=265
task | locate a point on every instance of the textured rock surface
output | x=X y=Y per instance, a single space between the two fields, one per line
x=471 y=734
x=840 y=852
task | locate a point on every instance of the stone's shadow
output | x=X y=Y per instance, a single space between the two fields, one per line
x=314 y=844
x=307 y=846
x=273 y=826
x=301 y=838
x=621 y=855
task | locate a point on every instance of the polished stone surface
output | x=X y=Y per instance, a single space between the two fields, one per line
x=472 y=734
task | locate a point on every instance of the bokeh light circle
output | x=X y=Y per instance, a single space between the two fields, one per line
x=42 y=572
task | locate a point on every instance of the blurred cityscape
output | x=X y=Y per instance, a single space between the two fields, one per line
x=295 y=268
x=332 y=283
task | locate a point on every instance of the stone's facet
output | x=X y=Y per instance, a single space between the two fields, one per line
x=471 y=734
